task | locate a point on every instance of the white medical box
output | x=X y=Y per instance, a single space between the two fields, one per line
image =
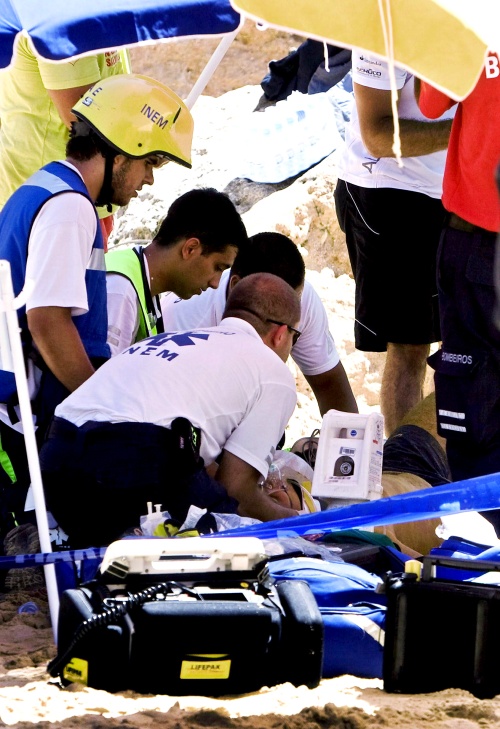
x=348 y=465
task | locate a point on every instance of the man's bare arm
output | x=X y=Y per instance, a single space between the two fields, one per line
x=333 y=391
x=59 y=343
x=377 y=127
x=65 y=99
x=241 y=482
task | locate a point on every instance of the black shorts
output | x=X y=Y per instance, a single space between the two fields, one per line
x=467 y=376
x=411 y=449
x=392 y=239
x=98 y=479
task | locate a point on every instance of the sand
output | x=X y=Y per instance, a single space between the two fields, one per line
x=29 y=696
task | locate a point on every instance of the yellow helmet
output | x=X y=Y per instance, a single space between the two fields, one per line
x=138 y=117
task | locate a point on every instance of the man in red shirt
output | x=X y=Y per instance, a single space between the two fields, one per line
x=467 y=367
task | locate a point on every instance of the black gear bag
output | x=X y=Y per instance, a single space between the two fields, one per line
x=188 y=616
x=442 y=633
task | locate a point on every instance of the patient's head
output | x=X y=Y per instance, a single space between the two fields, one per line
x=284 y=493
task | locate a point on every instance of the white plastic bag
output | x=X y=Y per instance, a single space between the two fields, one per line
x=152 y=523
x=287 y=138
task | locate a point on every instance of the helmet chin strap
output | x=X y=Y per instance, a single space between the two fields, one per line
x=105 y=196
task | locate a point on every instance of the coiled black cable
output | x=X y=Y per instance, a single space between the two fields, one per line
x=110 y=614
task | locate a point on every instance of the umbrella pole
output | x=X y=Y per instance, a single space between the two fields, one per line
x=210 y=68
x=9 y=305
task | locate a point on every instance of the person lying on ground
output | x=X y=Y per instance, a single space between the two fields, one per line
x=289 y=482
x=315 y=352
x=187 y=255
x=146 y=424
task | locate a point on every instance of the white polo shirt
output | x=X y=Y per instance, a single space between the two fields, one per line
x=315 y=351
x=420 y=174
x=224 y=379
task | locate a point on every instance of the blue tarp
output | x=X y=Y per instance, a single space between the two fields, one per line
x=474 y=494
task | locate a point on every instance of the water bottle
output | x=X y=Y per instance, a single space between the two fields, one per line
x=294 y=155
x=274 y=481
x=285 y=139
x=255 y=167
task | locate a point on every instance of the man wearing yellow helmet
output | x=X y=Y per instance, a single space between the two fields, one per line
x=126 y=126
x=135 y=121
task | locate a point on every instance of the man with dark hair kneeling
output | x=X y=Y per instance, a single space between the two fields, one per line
x=113 y=442
x=198 y=240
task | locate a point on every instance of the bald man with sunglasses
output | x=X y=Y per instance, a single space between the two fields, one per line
x=149 y=422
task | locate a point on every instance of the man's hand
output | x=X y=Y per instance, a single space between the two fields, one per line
x=377 y=127
x=432 y=103
x=241 y=482
x=59 y=344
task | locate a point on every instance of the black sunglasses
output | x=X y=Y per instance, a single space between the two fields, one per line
x=296 y=333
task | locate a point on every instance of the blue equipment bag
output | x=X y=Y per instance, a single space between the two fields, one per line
x=352 y=610
x=463 y=549
x=354 y=640
x=333 y=584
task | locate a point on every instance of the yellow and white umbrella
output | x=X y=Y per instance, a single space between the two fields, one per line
x=441 y=41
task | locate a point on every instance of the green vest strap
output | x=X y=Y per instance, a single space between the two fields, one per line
x=6 y=464
x=126 y=263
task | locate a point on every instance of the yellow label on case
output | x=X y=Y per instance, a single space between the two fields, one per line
x=77 y=671
x=206 y=665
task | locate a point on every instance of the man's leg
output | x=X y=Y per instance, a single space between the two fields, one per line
x=402 y=381
x=467 y=367
x=99 y=478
